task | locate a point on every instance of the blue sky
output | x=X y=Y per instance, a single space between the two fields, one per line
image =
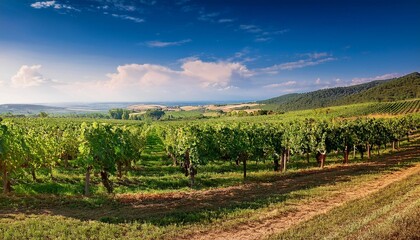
x=186 y=50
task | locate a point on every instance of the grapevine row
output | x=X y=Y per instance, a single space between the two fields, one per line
x=105 y=149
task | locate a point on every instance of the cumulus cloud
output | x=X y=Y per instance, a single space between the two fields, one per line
x=161 y=44
x=214 y=73
x=356 y=81
x=29 y=76
x=139 y=75
x=193 y=72
x=193 y=80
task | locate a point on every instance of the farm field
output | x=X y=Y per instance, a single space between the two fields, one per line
x=263 y=206
x=149 y=196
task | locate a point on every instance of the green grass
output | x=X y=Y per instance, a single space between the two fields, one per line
x=392 y=213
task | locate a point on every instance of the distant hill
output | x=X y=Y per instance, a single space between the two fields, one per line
x=405 y=87
x=27 y=108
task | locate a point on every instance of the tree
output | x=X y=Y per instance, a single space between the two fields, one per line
x=120 y=113
x=154 y=114
x=43 y=114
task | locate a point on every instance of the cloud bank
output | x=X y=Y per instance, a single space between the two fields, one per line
x=193 y=79
x=29 y=76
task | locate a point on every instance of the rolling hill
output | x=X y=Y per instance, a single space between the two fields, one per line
x=27 y=108
x=401 y=88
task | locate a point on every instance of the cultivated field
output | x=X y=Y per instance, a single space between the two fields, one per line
x=366 y=188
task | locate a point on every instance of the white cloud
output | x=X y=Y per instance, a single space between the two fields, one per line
x=250 y=28
x=214 y=73
x=105 y=7
x=242 y=56
x=230 y=87
x=53 y=4
x=283 y=31
x=193 y=73
x=126 y=17
x=261 y=35
x=284 y=84
x=315 y=55
x=127 y=8
x=140 y=75
x=167 y=44
x=356 y=81
x=63 y=6
x=194 y=80
x=45 y=4
x=296 y=64
x=318 y=81
x=29 y=76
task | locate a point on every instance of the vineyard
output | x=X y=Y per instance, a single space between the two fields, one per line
x=209 y=120
x=403 y=107
x=29 y=146
x=379 y=108
x=111 y=162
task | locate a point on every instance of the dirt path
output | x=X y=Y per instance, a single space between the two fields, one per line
x=307 y=210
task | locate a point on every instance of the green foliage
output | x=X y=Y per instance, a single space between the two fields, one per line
x=43 y=114
x=406 y=87
x=154 y=114
x=402 y=88
x=28 y=145
x=119 y=113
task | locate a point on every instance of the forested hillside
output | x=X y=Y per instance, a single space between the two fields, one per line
x=405 y=87
x=402 y=88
